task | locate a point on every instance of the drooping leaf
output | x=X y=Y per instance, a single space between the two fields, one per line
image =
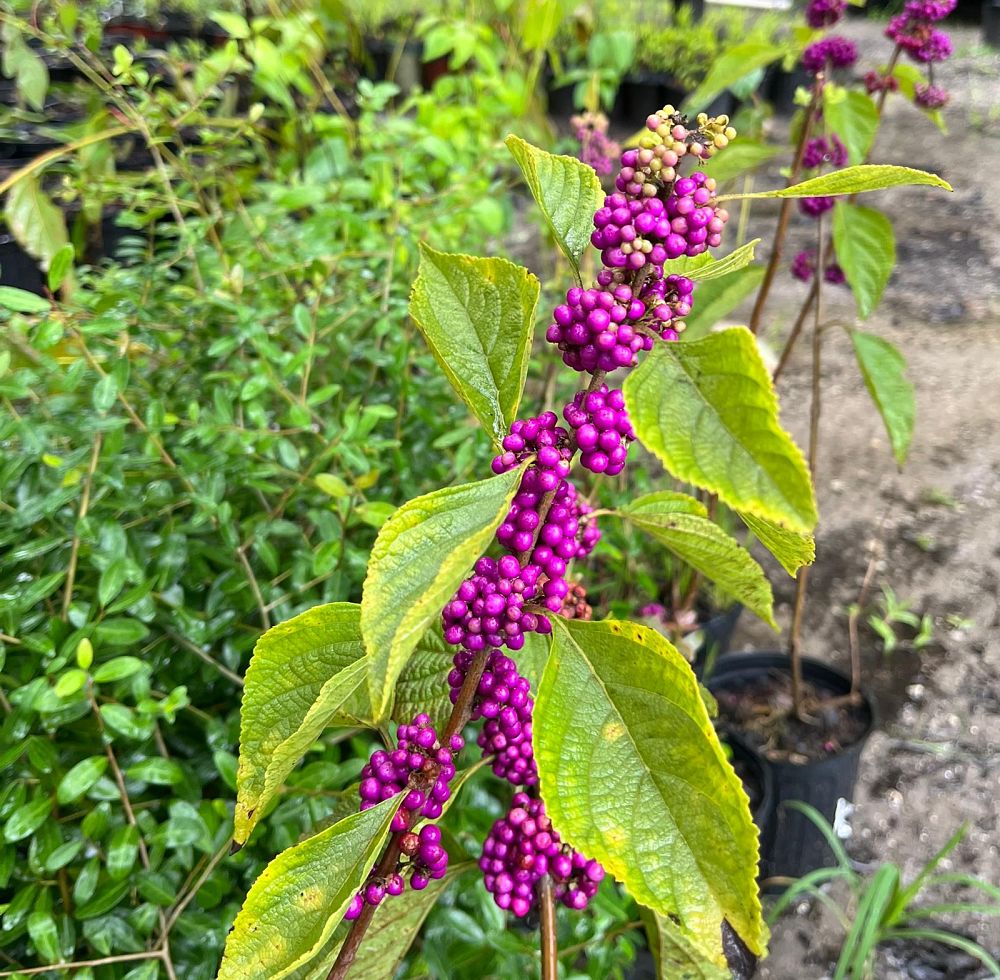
x=568 y=193
x=60 y=267
x=300 y=898
x=718 y=298
x=389 y=937
x=36 y=223
x=884 y=370
x=703 y=545
x=866 y=250
x=850 y=180
x=419 y=558
x=740 y=158
x=707 y=410
x=633 y=775
x=478 y=317
x=792 y=549
x=29 y=71
x=736 y=63
x=853 y=117
x=677 y=956
x=302 y=673
x=733 y=262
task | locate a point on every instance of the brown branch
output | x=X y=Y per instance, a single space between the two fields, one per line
x=800 y=320
x=550 y=943
x=802 y=579
x=153 y=954
x=785 y=212
x=460 y=714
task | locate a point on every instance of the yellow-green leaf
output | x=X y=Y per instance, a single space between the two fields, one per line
x=423 y=683
x=36 y=223
x=708 y=411
x=478 y=317
x=300 y=898
x=420 y=557
x=792 y=549
x=851 y=180
x=302 y=674
x=703 y=545
x=718 y=298
x=568 y=193
x=633 y=775
x=733 y=262
x=676 y=955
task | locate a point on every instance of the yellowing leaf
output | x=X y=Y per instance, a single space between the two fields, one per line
x=633 y=775
x=478 y=317
x=300 y=898
x=419 y=558
x=707 y=410
x=302 y=673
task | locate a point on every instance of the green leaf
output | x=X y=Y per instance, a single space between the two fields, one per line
x=29 y=71
x=718 y=298
x=703 y=545
x=850 y=180
x=866 y=250
x=45 y=936
x=633 y=775
x=62 y=263
x=21 y=301
x=25 y=820
x=853 y=117
x=676 y=955
x=478 y=317
x=36 y=223
x=123 y=848
x=884 y=371
x=80 y=778
x=423 y=683
x=332 y=486
x=568 y=193
x=731 y=263
x=301 y=674
x=419 y=558
x=118 y=668
x=707 y=410
x=793 y=550
x=301 y=896
x=739 y=158
x=729 y=68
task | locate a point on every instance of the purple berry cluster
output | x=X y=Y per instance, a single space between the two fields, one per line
x=804 y=268
x=601 y=428
x=545 y=440
x=913 y=31
x=417 y=751
x=820 y=152
x=813 y=207
x=930 y=96
x=428 y=859
x=524 y=846
x=825 y=13
x=876 y=82
x=830 y=52
x=596 y=149
x=488 y=608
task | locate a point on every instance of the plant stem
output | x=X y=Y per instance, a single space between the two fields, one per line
x=802 y=579
x=387 y=864
x=800 y=320
x=550 y=944
x=785 y=213
x=74 y=551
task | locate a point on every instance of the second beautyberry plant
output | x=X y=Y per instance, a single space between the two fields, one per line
x=468 y=614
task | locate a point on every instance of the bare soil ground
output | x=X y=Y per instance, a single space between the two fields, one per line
x=934 y=763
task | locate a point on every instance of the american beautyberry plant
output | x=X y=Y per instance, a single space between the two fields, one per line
x=469 y=614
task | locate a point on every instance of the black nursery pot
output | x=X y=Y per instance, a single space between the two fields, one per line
x=780 y=87
x=792 y=845
x=717 y=634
